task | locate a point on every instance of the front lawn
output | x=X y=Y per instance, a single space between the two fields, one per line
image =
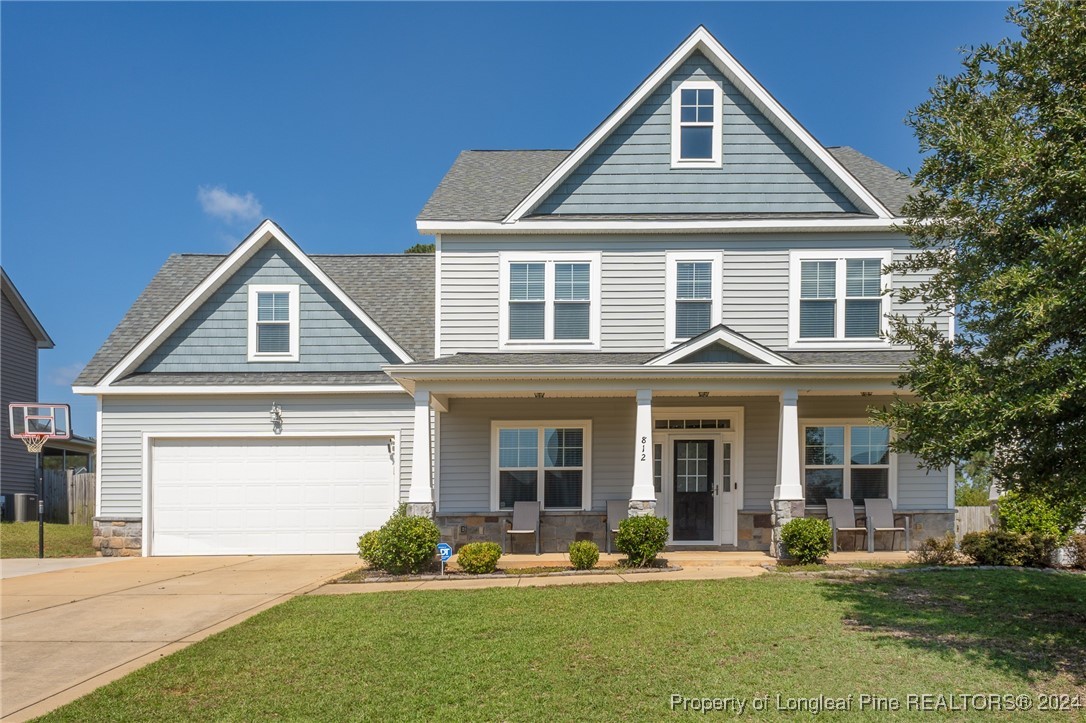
x=20 y=539
x=619 y=652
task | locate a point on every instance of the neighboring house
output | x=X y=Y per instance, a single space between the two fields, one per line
x=684 y=312
x=22 y=337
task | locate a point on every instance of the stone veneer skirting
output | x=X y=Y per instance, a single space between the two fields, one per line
x=557 y=530
x=118 y=536
x=756 y=530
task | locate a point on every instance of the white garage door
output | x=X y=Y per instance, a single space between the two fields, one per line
x=268 y=496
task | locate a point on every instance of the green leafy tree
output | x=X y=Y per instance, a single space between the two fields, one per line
x=1000 y=213
x=420 y=249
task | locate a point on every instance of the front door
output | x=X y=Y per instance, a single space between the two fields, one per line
x=692 y=491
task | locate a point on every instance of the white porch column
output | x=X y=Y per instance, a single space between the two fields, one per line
x=420 y=499
x=788 y=499
x=643 y=495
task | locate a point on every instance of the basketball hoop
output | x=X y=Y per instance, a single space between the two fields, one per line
x=35 y=442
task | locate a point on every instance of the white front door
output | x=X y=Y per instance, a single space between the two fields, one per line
x=277 y=495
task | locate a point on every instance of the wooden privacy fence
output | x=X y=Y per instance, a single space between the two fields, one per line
x=69 y=497
x=972 y=519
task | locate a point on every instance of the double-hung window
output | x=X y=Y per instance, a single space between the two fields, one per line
x=693 y=294
x=550 y=301
x=837 y=298
x=850 y=461
x=541 y=461
x=273 y=322
x=696 y=138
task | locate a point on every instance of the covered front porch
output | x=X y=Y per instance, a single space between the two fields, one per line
x=726 y=458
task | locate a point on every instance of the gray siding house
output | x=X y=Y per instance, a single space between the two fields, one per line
x=23 y=335
x=686 y=312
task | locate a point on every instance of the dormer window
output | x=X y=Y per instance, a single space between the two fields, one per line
x=273 y=322
x=696 y=139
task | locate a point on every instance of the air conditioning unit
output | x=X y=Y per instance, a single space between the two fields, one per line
x=26 y=507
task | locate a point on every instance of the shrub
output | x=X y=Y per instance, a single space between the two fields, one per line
x=807 y=539
x=402 y=545
x=641 y=538
x=584 y=554
x=1003 y=547
x=479 y=558
x=1076 y=545
x=936 y=551
x=1033 y=515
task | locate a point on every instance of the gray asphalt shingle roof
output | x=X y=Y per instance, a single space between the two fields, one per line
x=634 y=358
x=487 y=185
x=396 y=291
x=243 y=378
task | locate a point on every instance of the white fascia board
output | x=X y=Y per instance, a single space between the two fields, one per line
x=265 y=232
x=740 y=344
x=762 y=225
x=701 y=39
x=528 y=373
x=220 y=389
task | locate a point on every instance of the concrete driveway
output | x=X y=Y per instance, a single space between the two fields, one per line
x=65 y=633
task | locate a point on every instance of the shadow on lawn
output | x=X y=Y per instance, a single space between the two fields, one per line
x=1029 y=624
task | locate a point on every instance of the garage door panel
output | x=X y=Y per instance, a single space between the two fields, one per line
x=268 y=496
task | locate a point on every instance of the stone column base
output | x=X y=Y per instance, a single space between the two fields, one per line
x=115 y=537
x=642 y=508
x=783 y=512
x=420 y=509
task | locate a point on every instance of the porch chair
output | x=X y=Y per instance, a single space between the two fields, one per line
x=617 y=511
x=525 y=522
x=882 y=518
x=842 y=514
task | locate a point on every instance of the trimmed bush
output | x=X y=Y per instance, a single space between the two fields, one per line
x=479 y=558
x=998 y=547
x=936 y=551
x=807 y=539
x=641 y=539
x=584 y=554
x=1035 y=516
x=1076 y=545
x=403 y=544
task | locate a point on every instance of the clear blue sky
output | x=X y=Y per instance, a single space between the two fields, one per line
x=337 y=120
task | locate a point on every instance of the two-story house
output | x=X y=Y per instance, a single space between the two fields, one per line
x=685 y=312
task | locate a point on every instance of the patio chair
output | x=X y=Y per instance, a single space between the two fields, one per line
x=525 y=522
x=842 y=514
x=617 y=511
x=882 y=518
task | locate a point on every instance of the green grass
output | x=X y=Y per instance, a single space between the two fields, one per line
x=20 y=539
x=617 y=652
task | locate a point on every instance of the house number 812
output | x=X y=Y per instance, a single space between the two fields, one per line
x=643 y=441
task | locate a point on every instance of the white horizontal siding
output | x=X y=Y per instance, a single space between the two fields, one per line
x=126 y=419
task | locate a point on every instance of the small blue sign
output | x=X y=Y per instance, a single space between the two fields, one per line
x=444 y=550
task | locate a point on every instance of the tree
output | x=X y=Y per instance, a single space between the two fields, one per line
x=420 y=249
x=1000 y=214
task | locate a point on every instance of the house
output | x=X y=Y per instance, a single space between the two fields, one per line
x=22 y=336
x=685 y=312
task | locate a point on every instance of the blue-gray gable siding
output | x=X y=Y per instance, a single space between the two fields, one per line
x=631 y=171
x=215 y=337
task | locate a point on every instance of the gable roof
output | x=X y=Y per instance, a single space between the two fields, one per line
x=720 y=334
x=488 y=185
x=41 y=336
x=394 y=291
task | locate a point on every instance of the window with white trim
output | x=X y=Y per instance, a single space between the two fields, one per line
x=837 y=297
x=845 y=461
x=546 y=462
x=273 y=322
x=696 y=109
x=693 y=294
x=550 y=301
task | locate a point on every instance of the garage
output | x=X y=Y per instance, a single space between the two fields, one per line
x=266 y=496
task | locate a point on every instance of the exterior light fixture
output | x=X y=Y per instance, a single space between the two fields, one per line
x=540 y=395
x=276 y=415
x=703 y=395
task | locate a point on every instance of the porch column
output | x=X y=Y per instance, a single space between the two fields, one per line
x=788 y=493
x=420 y=499
x=643 y=495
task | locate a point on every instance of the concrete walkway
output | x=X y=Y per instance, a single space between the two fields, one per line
x=65 y=633
x=17 y=567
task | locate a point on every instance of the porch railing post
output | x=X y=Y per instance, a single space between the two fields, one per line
x=788 y=498
x=420 y=498
x=643 y=494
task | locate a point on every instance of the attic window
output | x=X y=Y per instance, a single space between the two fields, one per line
x=273 y=323
x=696 y=139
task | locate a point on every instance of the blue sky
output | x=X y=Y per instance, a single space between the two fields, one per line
x=131 y=131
